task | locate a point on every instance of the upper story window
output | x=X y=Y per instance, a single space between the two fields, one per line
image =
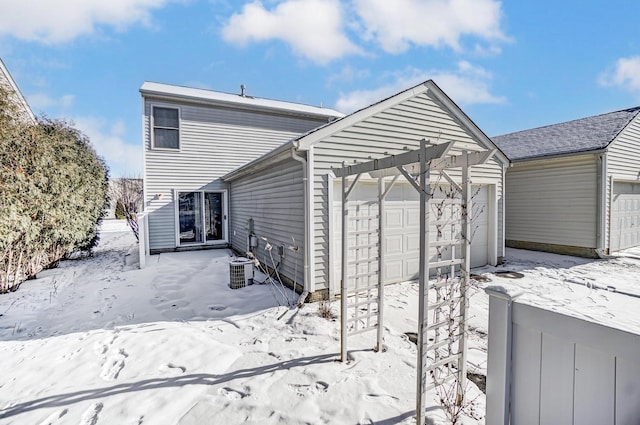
x=166 y=127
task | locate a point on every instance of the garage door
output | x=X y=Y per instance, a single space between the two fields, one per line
x=402 y=227
x=625 y=216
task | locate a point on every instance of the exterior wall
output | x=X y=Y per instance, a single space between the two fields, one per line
x=386 y=133
x=552 y=204
x=213 y=142
x=624 y=153
x=623 y=163
x=274 y=199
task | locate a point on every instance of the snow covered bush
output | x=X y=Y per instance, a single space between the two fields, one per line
x=53 y=190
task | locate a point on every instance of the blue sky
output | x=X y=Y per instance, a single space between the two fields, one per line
x=509 y=65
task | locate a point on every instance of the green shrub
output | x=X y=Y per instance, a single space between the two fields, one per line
x=53 y=190
x=119 y=210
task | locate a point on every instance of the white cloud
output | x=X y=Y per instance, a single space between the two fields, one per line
x=52 y=22
x=123 y=159
x=313 y=28
x=625 y=74
x=348 y=74
x=42 y=101
x=399 y=24
x=467 y=85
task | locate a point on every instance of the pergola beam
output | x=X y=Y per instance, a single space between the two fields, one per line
x=475 y=158
x=411 y=157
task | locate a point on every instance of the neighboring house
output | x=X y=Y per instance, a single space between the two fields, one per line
x=291 y=192
x=193 y=137
x=7 y=81
x=574 y=187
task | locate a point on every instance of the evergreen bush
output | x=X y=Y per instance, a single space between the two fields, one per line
x=53 y=190
x=119 y=210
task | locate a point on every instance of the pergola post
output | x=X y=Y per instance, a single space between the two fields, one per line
x=345 y=267
x=423 y=291
x=465 y=271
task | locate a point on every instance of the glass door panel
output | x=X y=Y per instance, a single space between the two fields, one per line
x=213 y=219
x=190 y=217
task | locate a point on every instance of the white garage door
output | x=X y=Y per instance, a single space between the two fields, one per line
x=402 y=227
x=625 y=216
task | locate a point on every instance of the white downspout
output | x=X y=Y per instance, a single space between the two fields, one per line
x=604 y=207
x=307 y=224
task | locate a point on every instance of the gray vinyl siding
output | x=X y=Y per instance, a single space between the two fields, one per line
x=553 y=201
x=624 y=153
x=213 y=142
x=274 y=198
x=387 y=133
x=623 y=162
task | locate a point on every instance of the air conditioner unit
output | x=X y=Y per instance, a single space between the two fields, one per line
x=240 y=273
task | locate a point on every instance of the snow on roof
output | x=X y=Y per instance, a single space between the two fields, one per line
x=581 y=135
x=216 y=97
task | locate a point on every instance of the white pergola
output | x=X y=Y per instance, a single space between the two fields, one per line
x=362 y=284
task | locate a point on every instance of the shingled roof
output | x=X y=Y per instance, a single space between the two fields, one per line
x=582 y=135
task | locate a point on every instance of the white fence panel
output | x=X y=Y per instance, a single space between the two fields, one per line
x=563 y=369
x=143 y=238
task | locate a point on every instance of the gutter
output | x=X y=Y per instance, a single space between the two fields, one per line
x=559 y=156
x=308 y=221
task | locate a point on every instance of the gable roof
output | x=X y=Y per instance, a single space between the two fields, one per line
x=171 y=92
x=5 y=75
x=305 y=140
x=581 y=135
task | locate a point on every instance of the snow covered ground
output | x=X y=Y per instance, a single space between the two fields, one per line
x=97 y=341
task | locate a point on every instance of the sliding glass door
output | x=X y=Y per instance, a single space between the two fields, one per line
x=190 y=217
x=201 y=217
x=213 y=215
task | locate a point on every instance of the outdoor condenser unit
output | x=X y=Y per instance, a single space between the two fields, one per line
x=240 y=273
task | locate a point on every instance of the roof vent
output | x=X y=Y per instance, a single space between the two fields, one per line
x=243 y=89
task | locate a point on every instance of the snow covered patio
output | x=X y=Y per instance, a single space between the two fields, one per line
x=98 y=341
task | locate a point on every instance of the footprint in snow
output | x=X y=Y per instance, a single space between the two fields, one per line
x=380 y=397
x=90 y=416
x=100 y=348
x=232 y=394
x=113 y=366
x=170 y=366
x=54 y=418
x=303 y=390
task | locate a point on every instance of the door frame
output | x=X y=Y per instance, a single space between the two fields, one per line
x=225 y=217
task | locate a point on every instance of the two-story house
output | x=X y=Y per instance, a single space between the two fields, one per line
x=219 y=167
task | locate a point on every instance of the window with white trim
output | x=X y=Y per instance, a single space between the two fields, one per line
x=166 y=127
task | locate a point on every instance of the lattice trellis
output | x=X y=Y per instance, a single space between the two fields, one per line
x=443 y=302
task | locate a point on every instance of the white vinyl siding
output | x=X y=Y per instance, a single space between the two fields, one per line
x=274 y=199
x=553 y=201
x=392 y=131
x=213 y=142
x=624 y=153
x=623 y=165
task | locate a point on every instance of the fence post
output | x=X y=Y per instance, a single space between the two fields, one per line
x=142 y=239
x=499 y=352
